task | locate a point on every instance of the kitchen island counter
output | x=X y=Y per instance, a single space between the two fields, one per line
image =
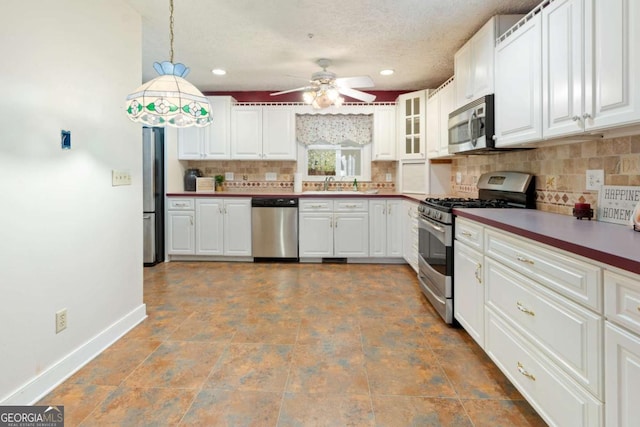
x=612 y=244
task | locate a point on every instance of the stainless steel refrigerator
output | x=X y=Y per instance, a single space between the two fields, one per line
x=153 y=194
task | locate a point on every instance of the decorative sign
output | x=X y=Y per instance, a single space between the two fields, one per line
x=616 y=204
x=205 y=184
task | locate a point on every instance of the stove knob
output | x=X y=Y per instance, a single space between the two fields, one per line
x=439 y=215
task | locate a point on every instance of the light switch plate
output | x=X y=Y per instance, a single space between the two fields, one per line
x=270 y=176
x=120 y=177
x=228 y=176
x=595 y=179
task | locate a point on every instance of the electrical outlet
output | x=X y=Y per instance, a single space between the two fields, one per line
x=458 y=177
x=120 y=177
x=228 y=176
x=61 y=320
x=388 y=177
x=595 y=179
x=270 y=176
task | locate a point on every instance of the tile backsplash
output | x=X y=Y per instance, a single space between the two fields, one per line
x=560 y=170
x=250 y=175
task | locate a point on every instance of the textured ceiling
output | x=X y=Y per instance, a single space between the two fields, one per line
x=271 y=45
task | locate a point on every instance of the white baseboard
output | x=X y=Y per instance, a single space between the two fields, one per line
x=40 y=386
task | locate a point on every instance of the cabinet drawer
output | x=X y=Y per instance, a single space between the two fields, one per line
x=351 y=205
x=556 y=269
x=557 y=399
x=470 y=233
x=181 y=204
x=316 y=205
x=622 y=300
x=567 y=333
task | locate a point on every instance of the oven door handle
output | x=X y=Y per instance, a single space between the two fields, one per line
x=433 y=226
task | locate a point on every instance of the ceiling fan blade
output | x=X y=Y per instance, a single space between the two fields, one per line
x=289 y=91
x=356 y=94
x=357 y=81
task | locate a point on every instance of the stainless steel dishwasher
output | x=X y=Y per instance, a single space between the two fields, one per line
x=274 y=228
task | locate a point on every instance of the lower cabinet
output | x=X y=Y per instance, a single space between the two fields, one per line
x=536 y=312
x=213 y=227
x=385 y=235
x=468 y=291
x=622 y=344
x=410 y=233
x=333 y=228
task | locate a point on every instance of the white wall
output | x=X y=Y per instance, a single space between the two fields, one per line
x=68 y=239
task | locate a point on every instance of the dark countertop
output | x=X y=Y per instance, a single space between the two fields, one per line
x=304 y=194
x=613 y=244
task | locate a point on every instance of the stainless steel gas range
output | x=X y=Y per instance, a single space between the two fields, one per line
x=436 y=223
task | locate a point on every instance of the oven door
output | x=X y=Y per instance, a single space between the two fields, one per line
x=435 y=265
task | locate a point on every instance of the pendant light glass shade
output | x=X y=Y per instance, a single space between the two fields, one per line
x=169 y=100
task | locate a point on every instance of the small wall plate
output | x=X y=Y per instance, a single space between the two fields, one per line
x=65 y=139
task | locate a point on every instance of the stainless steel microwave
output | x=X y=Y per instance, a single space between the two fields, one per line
x=472 y=127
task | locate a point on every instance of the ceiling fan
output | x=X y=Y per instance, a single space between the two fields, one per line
x=325 y=88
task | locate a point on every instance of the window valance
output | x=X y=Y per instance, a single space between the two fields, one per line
x=334 y=128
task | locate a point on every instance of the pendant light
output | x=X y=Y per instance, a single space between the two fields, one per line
x=169 y=99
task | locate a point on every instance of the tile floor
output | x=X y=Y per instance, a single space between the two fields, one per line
x=238 y=344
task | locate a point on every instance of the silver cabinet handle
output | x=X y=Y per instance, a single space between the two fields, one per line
x=494 y=137
x=315 y=206
x=524 y=309
x=586 y=116
x=525 y=260
x=575 y=118
x=389 y=210
x=466 y=233
x=191 y=220
x=525 y=372
x=351 y=206
x=478 y=273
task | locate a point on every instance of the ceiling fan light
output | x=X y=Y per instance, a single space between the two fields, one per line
x=308 y=97
x=338 y=101
x=332 y=93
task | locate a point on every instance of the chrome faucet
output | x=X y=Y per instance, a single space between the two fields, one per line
x=327 y=180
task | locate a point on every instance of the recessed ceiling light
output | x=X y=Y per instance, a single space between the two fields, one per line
x=387 y=72
x=218 y=71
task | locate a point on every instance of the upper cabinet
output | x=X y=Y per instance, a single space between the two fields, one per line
x=263 y=133
x=209 y=142
x=411 y=125
x=384 y=132
x=474 y=61
x=589 y=57
x=518 y=109
x=439 y=104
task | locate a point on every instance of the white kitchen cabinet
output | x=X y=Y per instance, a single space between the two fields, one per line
x=210 y=226
x=553 y=394
x=518 y=85
x=622 y=348
x=180 y=227
x=622 y=367
x=237 y=227
x=474 y=61
x=333 y=228
x=439 y=105
x=410 y=233
x=411 y=125
x=384 y=132
x=616 y=59
x=263 y=133
x=210 y=142
x=468 y=286
x=385 y=228
x=278 y=133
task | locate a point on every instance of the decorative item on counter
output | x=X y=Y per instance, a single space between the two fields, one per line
x=583 y=210
x=636 y=217
x=205 y=184
x=618 y=204
x=355 y=185
x=219 y=181
x=190 y=176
